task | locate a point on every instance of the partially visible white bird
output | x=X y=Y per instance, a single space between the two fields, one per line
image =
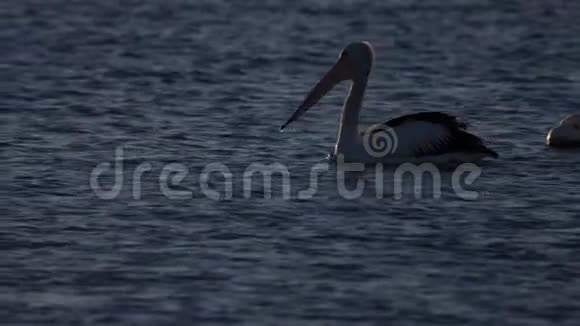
x=567 y=134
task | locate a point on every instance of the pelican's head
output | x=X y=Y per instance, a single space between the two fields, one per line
x=571 y=121
x=354 y=63
x=359 y=57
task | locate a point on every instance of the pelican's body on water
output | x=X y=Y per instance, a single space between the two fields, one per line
x=567 y=134
x=426 y=136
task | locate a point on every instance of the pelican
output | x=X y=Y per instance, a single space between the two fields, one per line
x=567 y=134
x=425 y=136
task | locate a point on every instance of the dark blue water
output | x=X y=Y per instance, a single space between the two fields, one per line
x=200 y=82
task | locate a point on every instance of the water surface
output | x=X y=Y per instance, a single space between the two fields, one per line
x=199 y=82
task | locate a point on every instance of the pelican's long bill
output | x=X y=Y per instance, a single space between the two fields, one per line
x=336 y=74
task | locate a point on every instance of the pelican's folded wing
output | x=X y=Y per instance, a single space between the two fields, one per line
x=430 y=133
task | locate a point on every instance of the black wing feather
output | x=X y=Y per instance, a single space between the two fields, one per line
x=459 y=140
x=445 y=119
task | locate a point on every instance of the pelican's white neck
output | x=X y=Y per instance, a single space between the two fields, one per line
x=348 y=130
